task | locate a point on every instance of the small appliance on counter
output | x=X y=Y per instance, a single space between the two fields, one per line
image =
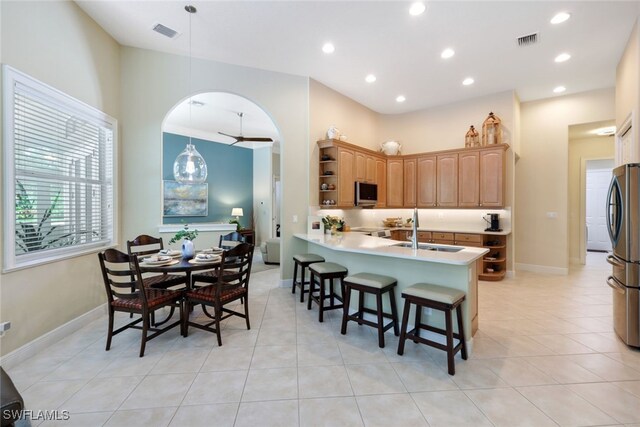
x=493 y=221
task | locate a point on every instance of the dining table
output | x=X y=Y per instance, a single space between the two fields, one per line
x=186 y=266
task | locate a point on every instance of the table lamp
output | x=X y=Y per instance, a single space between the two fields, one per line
x=237 y=212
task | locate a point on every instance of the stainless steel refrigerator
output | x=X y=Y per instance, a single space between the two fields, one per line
x=623 y=223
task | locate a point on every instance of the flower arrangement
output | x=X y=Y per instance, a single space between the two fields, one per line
x=333 y=223
x=185 y=233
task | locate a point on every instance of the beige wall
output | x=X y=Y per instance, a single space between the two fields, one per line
x=153 y=83
x=444 y=127
x=58 y=44
x=581 y=150
x=330 y=108
x=628 y=88
x=542 y=175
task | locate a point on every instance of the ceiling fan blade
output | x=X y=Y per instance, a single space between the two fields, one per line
x=231 y=136
x=256 y=139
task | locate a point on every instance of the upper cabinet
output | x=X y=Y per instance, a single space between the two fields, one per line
x=465 y=178
x=492 y=180
x=426 y=182
x=381 y=181
x=346 y=166
x=409 y=193
x=395 y=174
x=447 y=180
x=468 y=179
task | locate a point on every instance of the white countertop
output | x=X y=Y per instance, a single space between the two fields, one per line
x=360 y=243
x=441 y=228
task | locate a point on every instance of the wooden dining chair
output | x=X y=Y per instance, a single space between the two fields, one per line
x=231 y=240
x=230 y=284
x=148 y=245
x=121 y=273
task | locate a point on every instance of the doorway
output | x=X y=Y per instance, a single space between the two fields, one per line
x=598 y=176
x=591 y=147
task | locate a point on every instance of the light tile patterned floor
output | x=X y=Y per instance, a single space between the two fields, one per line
x=545 y=354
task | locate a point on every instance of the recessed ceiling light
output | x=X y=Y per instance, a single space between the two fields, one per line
x=447 y=53
x=417 y=8
x=559 y=89
x=401 y=98
x=605 y=131
x=468 y=81
x=370 y=78
x=560 y=17
x=328 y=48
x=562 y=57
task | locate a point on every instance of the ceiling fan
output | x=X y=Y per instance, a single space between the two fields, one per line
x=241 y=138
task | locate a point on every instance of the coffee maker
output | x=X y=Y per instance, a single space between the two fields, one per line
x=493 y=221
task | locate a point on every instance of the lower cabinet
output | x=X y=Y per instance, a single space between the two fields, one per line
x=492 y=266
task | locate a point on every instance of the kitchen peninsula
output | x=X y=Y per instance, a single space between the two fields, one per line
x=361 y=253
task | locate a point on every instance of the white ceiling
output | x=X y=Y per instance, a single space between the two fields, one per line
x=403 y=51
x=588 y=130
x=220 y=114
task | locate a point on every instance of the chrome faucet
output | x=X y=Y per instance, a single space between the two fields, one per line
x=414 y=237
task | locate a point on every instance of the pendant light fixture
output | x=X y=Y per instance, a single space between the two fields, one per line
x=190 y=167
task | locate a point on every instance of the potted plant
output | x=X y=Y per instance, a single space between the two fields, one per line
x=333 y=223
x=187 y=236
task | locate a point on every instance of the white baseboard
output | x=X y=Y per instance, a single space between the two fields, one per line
x=544 y=269
x=510 y=274
x=286 y=283
x=32 y=348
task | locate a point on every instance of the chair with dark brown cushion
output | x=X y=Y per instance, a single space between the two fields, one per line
x=11 y=402
x=231 y=284
x=148 y=245
x=121 y=274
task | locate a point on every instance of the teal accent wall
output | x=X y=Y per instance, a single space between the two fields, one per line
x=230 y=178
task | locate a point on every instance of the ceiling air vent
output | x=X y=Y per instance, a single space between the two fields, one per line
x=528 y=39
x=165 y=31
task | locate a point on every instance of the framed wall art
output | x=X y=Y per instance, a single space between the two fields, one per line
x=185 y=199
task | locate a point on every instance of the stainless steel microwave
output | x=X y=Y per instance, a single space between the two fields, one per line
x=366 y=194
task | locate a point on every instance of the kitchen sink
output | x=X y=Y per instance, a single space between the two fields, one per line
x=428 y=247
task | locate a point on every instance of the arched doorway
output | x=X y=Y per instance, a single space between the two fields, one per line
x=241 y=174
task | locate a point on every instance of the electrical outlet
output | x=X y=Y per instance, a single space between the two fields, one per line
x=552 y=215
x=4 y=327
x=295 y=219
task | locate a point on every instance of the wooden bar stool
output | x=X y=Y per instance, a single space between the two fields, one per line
x=437 y=298
x=377 y=285
x=304 y=261
x=326 y=271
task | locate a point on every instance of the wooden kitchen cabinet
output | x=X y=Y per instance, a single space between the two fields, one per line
x=395 y=175
x=441 y=237
x=360 y=173
x=400 y=235
x=426 y=182
x=468 y=179
x=370 y=175
x=409 y=189
x=447 y=180
x=424 y=236
x=381 y=181
x=346 y=160
x=491 y=177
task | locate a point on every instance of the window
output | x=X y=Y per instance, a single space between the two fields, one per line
x=58 y=174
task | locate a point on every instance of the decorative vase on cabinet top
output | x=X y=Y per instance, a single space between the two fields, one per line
x=333 y=133
x=390 y=148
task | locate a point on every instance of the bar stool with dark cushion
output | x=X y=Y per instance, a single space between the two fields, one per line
x=326 y=271
x=304 y=261
x=377 y=285
x=437 y=298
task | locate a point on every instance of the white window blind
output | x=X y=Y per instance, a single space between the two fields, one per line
x=59 y=174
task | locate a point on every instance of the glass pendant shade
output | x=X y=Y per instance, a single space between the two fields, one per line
x=189 y=167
